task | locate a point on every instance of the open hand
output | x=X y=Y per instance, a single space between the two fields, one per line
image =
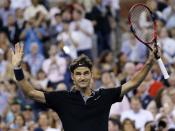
x=17 y=55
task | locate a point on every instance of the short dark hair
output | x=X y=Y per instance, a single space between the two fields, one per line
x=81 y=61
x=115 y=121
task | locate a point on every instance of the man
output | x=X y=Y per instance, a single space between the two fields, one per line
x=82 y=32
x=137 y=114
x=35 y=59
x=100 y=16
x=32 y=10
x=54 y=67
x=81 y=108
x=44 y=124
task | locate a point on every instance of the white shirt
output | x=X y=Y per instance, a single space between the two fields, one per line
x=69 y=47
x=55 y=72
x=22 y=4
x=32 y=11
x=3 y=68
x=84 y=41
x=115 y=4
x=140 y=118
x=119 y=107
x=169 y=17
x=168 y=46
x=52 y=129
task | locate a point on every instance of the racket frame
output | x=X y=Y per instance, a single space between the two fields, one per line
x=154 y=40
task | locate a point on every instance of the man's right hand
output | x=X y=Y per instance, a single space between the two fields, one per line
x=17 y=55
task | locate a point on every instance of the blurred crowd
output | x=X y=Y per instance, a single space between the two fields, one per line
x=55 y=32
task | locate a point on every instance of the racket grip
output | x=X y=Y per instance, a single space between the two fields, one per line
x=162 y=68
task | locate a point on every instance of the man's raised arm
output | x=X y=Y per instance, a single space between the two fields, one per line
x=140 y=76
x=28 y=89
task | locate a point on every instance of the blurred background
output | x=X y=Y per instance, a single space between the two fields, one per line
x=55 y=32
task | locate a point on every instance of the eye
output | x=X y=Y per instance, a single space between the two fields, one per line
x=86 y=73
x=77 y=73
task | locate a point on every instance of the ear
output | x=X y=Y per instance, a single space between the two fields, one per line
x=72 y=76
x=92 y=75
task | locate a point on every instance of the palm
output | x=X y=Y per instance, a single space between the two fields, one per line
x=17 y=55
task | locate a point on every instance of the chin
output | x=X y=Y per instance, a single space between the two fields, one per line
x=83 y=87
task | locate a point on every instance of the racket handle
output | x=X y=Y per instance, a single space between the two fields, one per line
x=163 y=69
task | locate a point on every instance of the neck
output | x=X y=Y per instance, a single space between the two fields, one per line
x=35 y=5
x=85 y=91
x=44 y=127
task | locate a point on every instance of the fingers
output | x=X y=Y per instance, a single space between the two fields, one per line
x=11 y=51
x=19 y=48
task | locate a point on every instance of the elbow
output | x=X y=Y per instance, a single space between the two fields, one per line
x=30 y=94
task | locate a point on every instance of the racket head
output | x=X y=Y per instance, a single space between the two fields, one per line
x=147 y=34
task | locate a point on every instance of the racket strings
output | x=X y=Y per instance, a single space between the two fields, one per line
x=142 y=23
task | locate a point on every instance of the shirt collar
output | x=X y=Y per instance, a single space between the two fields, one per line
x=74 y=90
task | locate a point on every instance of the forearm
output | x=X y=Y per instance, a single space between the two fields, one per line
x=30 y=91
x=26 y=87
x=140 y=76
x=23 y=82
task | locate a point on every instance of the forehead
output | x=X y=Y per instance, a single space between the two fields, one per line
x=81 y=69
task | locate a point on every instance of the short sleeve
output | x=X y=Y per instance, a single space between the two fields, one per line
x=112 y=95
x=54 y=99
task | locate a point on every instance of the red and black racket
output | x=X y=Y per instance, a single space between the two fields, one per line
x=146 y=32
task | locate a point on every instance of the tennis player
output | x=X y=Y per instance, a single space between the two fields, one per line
x=82 y=108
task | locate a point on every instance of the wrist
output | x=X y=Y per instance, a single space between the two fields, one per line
x=150 y=62
x=17 y=67
x=19 y=75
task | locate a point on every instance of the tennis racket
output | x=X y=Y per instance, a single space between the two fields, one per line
x=143 y=25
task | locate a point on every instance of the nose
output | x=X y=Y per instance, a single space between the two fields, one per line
x=82 y=77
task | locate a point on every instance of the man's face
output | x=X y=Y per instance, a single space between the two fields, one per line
x=34 y=49
x=15 y=108
x=76 y=15
x=82 y=77
x=135 y=105
x=11 y=20
x=43 y=121
x=106 y=78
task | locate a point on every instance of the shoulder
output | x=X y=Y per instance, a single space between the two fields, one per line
x=110 y=89
x=56 y=93
x=55 y=98
x=113 y=94
x=86 y=21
